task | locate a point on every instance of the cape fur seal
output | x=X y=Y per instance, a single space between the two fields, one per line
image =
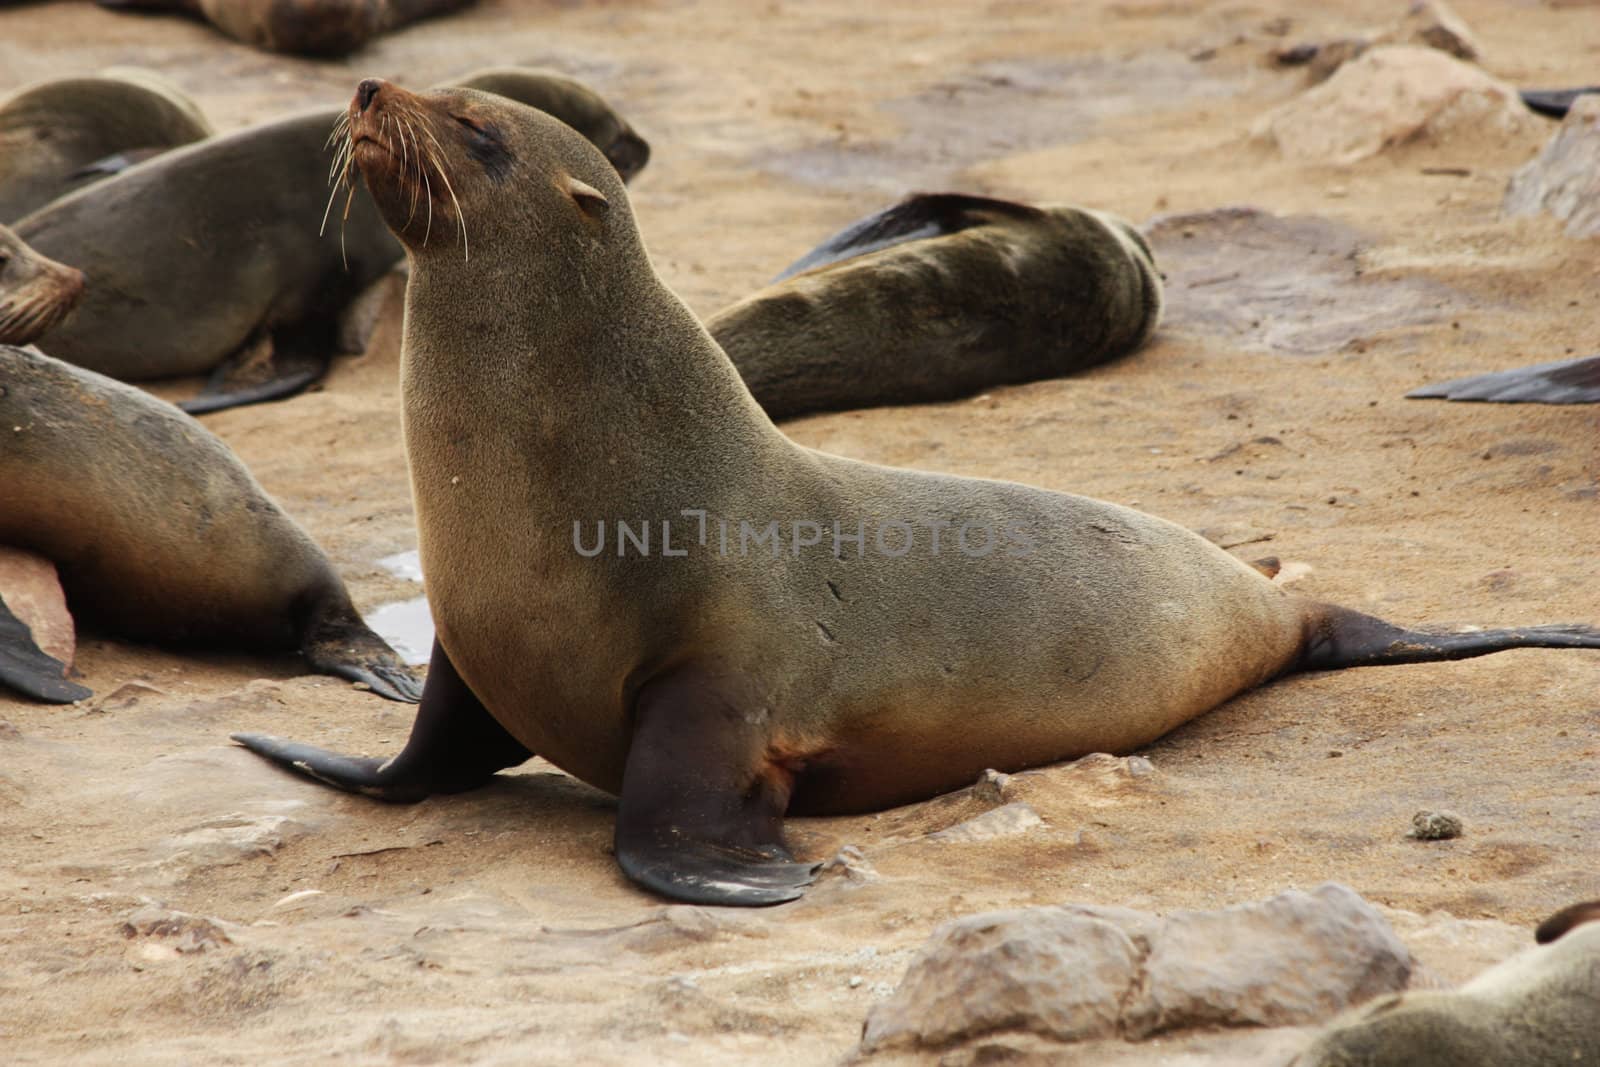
x=1540 y=1008
x=1566 y=381
x=57 y=135
x=939 y=297
x=159 y=532
x=551 y=381
x=301 y=27
x=36 y=292
x=215 y=252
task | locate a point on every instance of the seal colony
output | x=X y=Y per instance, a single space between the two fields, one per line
x=718 y=690
x=160 y=534
x=300 y=27
x=60 y=134
x=939 y=297
x=215 y=253
x=1537 y=1009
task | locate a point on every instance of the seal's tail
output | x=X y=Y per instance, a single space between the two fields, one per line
x=1338 y=637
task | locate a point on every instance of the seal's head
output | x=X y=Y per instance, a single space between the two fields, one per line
x=35 y=292
x=496 y=176
x=573 y=103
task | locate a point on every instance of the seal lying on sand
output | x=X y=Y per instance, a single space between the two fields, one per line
x=773 y=629
x=1538 y=1009
x=216 y=250
x=301 y=27
x=159 y=532
x=58 y=135
x=35 y=292
x=941 y=296
x=1566 y=381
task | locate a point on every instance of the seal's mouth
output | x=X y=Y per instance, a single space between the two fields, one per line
x=38 y=306
x=387 y=134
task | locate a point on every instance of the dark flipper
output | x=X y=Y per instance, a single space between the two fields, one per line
x=701 y=815
x=1341 y=638
x=28 y=669
x=912 y=219
x=1565 y=919
x=115 y=164
x=334 y=640
x=273 y=367
x=1566 y=381
x=1554 y=102
x=455 y=745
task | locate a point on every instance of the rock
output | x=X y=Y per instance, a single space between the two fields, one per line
x=1084 y=972
x=1006 y=821
x=30 y=588
x=993 y=787
x=1297 y=958
x=185 y=933
x=850 y=866
x=1564 y=179
x=1390 y=96
x=1044 y=970
x=1435 y=826
x=1432 y=23
x=229 y=839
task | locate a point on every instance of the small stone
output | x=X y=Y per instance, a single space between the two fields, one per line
x=991 y=786
x=1435 y=826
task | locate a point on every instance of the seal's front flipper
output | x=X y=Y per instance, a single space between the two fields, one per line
x=701 y=816
x=273 y=367
x=455 y=745
x=336 y=641
x=1566 y=381
x=915 y=218
x=29 y=669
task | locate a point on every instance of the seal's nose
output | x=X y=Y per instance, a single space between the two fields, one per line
x=366 y=91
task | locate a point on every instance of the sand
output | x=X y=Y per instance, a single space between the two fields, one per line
x=494 y=927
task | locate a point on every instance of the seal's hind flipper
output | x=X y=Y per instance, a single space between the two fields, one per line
x=1564 y=920
x=916 y=217
x=1566 y=381
x=701 y=814
x=1338 y=637
x=1554 y=103
x=455 y=745
x=29 y=669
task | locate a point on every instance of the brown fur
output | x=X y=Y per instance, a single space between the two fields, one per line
x=158 y=530
x=1537 y=1009
x=36 y=292
x=1029 y=293
x=301 y=27
x=50 y=131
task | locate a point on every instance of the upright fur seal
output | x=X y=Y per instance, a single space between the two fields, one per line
x=1538 y=1009
x=57 y=135
x=159 y=532
x=217 y=250
x=890 y=634
x=941 y=296
x=35 y=292
x=301 y=27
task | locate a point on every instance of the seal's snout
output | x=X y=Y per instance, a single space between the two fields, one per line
x=366 y=92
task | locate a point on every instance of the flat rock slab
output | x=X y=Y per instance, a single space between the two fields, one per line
x=30 y=588
x=1292 y=284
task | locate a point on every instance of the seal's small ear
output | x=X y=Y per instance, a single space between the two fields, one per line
x=590 y=201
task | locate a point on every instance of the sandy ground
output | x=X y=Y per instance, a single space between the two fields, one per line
x=495 y=928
